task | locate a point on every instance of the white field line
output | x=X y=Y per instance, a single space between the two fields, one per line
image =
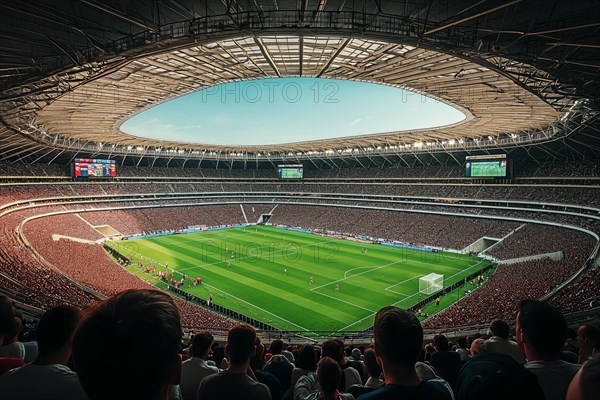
x=352 y=276
x=344 y=301
x=257 y=307
x=400 y=283
x=413 y=295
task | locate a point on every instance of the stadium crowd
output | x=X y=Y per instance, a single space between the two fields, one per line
x=77 y=353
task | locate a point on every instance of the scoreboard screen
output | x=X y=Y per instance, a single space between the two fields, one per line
x=290 y=171
x=486 y=166
x=94 y=168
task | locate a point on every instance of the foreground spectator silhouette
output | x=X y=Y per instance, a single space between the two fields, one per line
x=10 y=325
x=586 y=383
x=398 y=338
x=499 y=342
x=329 y=375
x=279 y=365
x=541 y=334
x=127 y=347
x=257 y=364
x=497 y=376
x=447 y=363
x=588 y=339
x=235 y=382
x=195 y=369
x=48 y=377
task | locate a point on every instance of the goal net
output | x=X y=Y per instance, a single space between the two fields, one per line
x=431 y=283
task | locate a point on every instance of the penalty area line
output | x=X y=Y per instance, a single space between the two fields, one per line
x=399 y=301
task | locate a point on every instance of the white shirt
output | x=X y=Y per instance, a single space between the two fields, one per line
x=13 y=350
x=192 y=372
x=496 y=344
x=554 y=377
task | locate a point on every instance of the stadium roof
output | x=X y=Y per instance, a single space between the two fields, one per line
x=73 y=71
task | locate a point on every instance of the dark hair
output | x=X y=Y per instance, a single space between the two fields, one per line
x=440 y=342
x=307 y=358
x=276 y=346
x=592 y=333
x=132 y=338
x=398 y=336
x=500 y=328
x=332 y=348
x=56 y=328
x=201 y=343
x=329 y=374
x=462 y=343
x=7 y=318
x=241 y=341
x=373 y=367
x=544 y=326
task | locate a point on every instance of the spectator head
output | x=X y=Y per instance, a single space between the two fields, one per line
x=440 y=342
x=276 y=346
x=588 y=339
x=332 y=348
x=201 y=343
x=541 y=330
x=477 y=347
x=55 y=330
x=241 y=344
x=500 y=328
x=329 y=375
x=7 y=318
x=373 y=368
x=462 y=343
x=132 y=338
x=356 y=354
x=586 y=383
x=398 y=337
x=307 y=358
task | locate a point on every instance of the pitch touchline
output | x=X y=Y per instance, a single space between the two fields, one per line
x=257 y=307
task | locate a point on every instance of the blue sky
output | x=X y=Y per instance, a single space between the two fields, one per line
x=283 y=110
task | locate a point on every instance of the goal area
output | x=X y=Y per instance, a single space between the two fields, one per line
x=431 y=283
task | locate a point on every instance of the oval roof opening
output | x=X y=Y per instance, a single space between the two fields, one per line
x=288 y=110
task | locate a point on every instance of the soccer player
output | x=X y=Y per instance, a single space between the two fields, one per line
x=228 y=264
x=437 y=302
x=337 y=287
x=285 y=271
x=210 y=298
x=311 y=280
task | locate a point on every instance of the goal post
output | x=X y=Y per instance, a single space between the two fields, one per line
x=431 y=283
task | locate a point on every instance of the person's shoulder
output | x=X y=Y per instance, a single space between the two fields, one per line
x=352 y=370
x=437 y=389
x=218 y=376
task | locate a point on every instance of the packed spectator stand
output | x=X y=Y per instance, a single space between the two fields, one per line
x=45 y=278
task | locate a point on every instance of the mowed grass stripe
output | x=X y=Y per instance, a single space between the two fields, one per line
x=261 y=281
x=256 y=291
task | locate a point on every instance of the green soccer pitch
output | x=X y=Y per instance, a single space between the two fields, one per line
x=487 y=169
x=268 y=278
